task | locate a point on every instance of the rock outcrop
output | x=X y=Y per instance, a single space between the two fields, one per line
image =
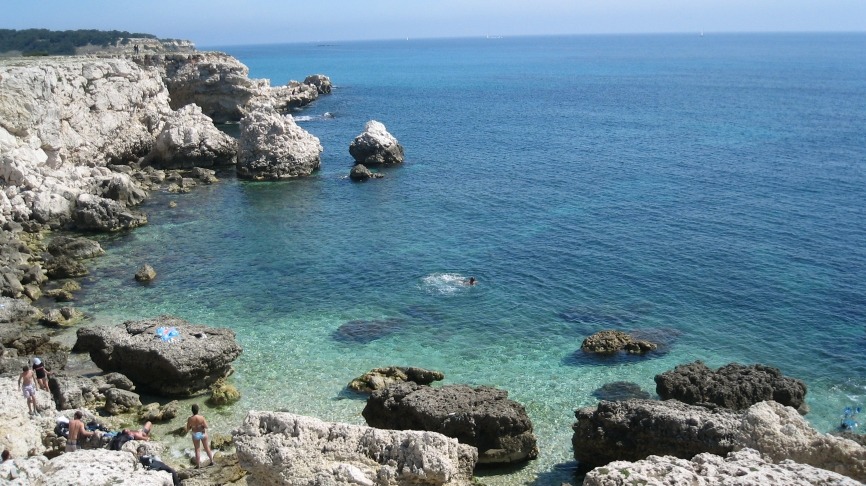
x=380 y=378
x=635 y=429
x=732 y=386
x=75 y=247
x=221 y=86
x=97 y=467
x=742 y=468
x=281 y=448
x=94 y=213
x=189 y=139
x=482 y=417
x=183 y=365
x=321 y=82
x=607 y=342
x=360 y=173
x=780 y=433
x=375 y=146
x=62 y=120
x=273 y=147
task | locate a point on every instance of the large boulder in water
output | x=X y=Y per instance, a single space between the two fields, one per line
x=273 y=147
x=635 y=429
x=184 y=365
x=732 y=386
x=482 y=417
x=375 y=146
x=282 y=448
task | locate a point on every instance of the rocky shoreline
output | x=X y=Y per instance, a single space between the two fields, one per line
x=85 y=140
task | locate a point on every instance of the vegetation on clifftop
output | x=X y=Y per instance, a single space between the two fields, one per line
x=44 y=42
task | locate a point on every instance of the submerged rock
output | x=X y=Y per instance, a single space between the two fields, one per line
x=732 y=386
x=362 y=331
x=183 y=365
x=361 y=173
x=607 y=342
x=380 y=378
x=620 y=390
x=375 y=146
x=282 y=448
x=145 y=274
x=483 y=417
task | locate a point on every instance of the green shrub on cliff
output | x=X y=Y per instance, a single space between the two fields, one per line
x=46 y=42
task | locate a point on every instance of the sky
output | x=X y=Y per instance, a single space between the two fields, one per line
x=223 y=22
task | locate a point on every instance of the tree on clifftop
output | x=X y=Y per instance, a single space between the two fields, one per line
x=35 y=42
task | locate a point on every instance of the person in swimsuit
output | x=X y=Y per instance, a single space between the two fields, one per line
x=41 y=373
x=198 y=425
x=143 y=434
x=76 y=430
x=27 y=383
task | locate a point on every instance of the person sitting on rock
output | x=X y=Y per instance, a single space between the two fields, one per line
x=8 y=469
x=154 y=464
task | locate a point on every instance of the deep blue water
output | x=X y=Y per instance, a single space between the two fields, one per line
x=709 y=191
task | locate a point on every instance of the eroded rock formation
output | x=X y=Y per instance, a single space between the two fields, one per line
x=273 y=147
x=282 y=448
x=375 y=146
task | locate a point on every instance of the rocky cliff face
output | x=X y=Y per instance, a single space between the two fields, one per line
x=221 y=86
x=63 y=120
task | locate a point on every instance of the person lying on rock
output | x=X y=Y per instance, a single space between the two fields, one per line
x=143 y=434
x=154 y=464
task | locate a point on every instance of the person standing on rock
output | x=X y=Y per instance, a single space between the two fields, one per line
x=198 y=425
x=27 y=382
x=76 y=430
x=41 y=373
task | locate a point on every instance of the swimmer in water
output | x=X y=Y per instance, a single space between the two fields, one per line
x=470 y=282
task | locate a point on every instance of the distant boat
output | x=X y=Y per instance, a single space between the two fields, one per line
x=702 y=33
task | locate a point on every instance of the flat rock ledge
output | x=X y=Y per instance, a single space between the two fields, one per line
x=185 y=365
x=282 y=448
x=733 y=386
x=743 y=468
x=483 y=417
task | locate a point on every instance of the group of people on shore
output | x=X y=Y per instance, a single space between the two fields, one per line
x=36 y=377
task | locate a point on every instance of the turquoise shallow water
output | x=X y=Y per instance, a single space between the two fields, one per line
x=708 y=191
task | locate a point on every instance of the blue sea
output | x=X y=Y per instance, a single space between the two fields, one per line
x=706 y=191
